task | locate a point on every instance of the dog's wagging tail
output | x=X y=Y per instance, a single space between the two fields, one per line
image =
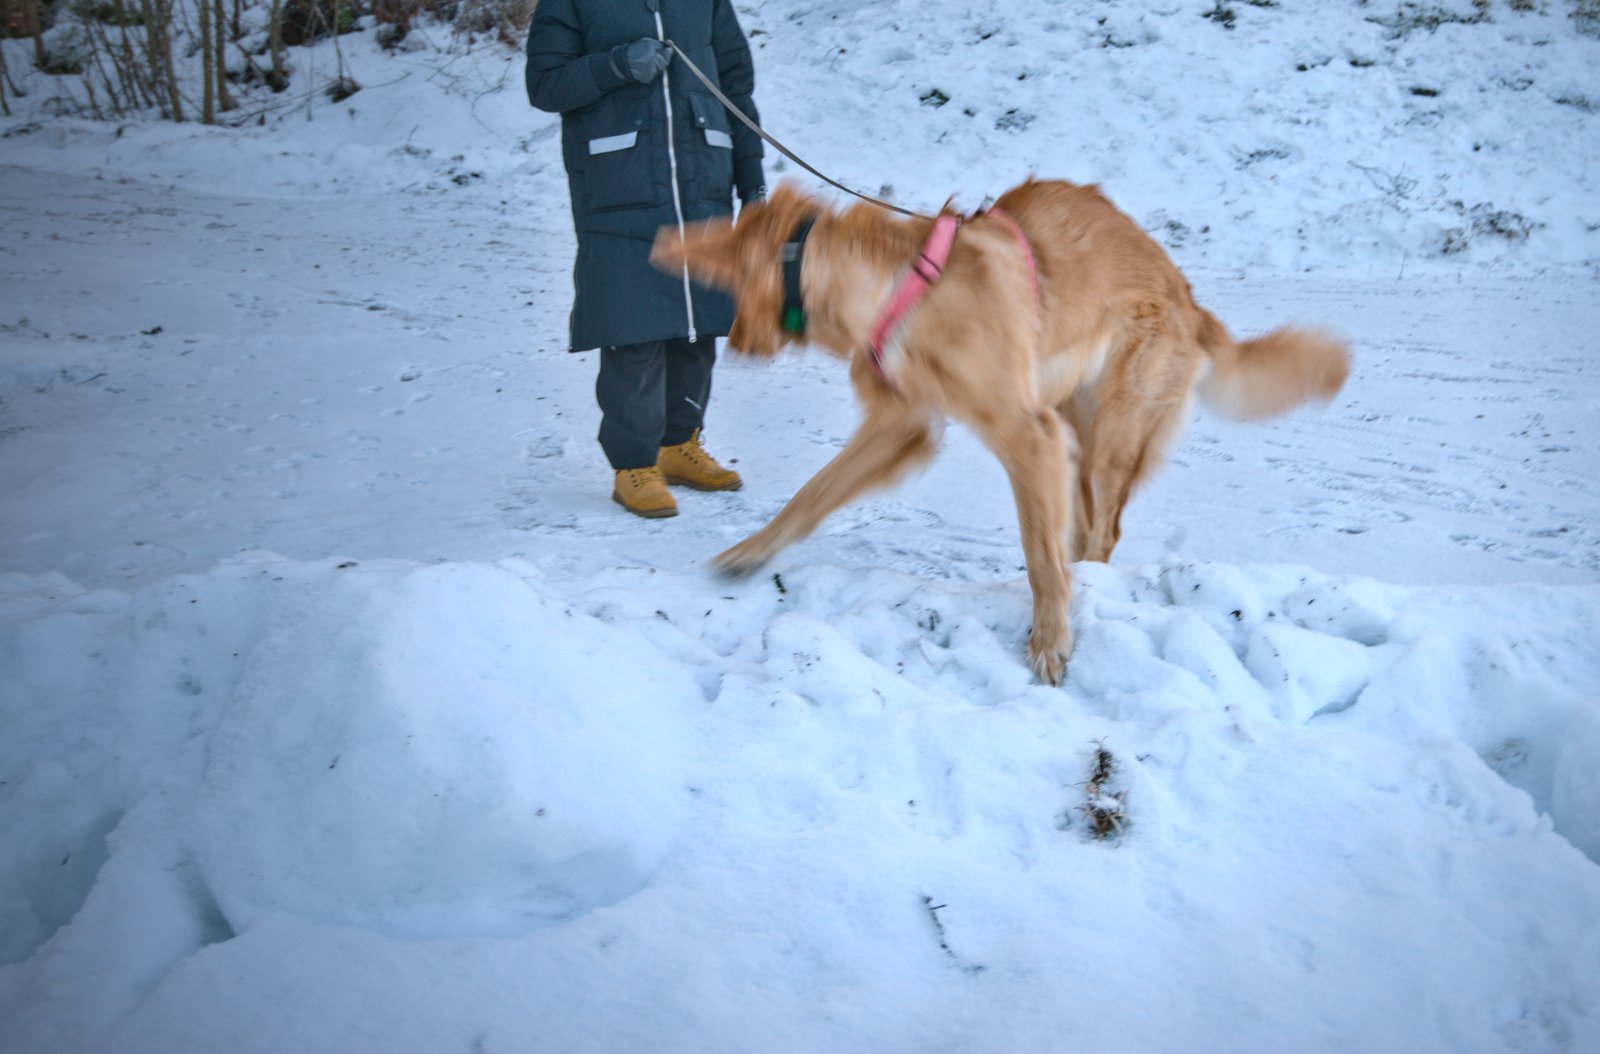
x=1078 y=383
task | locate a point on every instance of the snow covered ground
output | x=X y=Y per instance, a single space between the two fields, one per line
x=341 y=710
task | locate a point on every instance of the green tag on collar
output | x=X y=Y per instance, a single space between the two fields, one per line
x=794 y=320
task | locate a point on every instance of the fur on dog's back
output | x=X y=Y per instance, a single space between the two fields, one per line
x=1105 y=275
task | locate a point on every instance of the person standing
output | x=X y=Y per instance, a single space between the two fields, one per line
x=645 y=146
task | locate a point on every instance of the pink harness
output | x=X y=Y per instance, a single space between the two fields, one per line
x=925 y=270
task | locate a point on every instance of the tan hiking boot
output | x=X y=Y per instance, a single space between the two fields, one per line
x=689 y=464
x=643 y=492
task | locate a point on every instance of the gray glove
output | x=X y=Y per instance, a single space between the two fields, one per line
x=643 y=60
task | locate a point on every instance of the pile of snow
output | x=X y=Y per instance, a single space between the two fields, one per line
x=340 y=709
x=341 y=806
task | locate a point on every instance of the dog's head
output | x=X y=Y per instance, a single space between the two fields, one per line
x=744 y=260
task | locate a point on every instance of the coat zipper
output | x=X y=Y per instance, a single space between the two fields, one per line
x=672 y=164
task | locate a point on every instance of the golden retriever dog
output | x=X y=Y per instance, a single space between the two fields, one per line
x=1059 y=332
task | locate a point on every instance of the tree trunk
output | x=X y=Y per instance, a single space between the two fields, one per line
x=147 y=10
x=208 y=65
x=158 y=39
x=135 y=86
x=220 y=26
x=165 y=7
x=40 y=59
x=280 y=77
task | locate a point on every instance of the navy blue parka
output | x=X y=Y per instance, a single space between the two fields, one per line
x=622 y=143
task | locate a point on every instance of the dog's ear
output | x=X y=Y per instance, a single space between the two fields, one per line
x=744 y=260
x=708 y=250
x=758 y=302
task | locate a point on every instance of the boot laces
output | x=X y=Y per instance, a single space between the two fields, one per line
x=638 y=477
x=693 y=451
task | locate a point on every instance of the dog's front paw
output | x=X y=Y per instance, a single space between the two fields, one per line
x=1049 y=653
x=742 y=559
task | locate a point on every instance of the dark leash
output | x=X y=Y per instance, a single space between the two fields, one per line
x=785 y=151
x=925 y=270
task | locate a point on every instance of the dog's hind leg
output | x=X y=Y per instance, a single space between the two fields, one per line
x=890 y=442
x=1079 y=417
x=1143 y=402
x=1034 y=447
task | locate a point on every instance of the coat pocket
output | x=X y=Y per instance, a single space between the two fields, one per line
x=618 y=168
x=714 y=150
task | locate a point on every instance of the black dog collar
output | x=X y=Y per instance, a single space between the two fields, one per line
x=794 y=304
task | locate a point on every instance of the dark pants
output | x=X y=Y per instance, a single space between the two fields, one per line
x=652 y=395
